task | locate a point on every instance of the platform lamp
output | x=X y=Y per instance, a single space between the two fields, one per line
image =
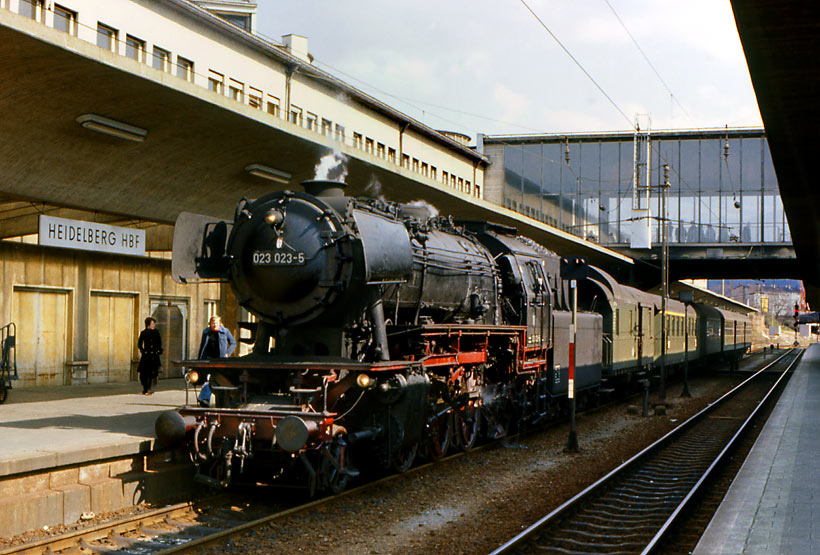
x=271 y=174
x=113 y=128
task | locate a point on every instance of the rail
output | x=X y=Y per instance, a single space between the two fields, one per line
x=636 y=492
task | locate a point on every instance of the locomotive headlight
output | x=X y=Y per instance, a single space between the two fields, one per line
x=274 y=218
x=363 y=381
x=192 y=376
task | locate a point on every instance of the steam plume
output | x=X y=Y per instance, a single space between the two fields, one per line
x=331 y=166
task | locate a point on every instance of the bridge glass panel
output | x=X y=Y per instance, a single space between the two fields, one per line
x=531 y=183
x=610 y=191
x=569 y=184
x=513 y=177
x=551 y=170
x=669 y=153
x=752 y=216
x=625 y=200
x=584 y=186
x=589 y=181
x=688 y=178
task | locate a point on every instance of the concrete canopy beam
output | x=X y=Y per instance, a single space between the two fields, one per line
x=781 y=42
x=196 y=150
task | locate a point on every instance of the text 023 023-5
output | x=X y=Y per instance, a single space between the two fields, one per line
x=278 y=258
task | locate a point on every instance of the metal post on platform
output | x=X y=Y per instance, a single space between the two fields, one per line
x=572 y=441
x=685 y=392
x=664 y=280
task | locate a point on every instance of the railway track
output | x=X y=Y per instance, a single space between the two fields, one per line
x=631 y=509
x=186 y=526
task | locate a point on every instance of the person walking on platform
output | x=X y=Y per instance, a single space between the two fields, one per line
x=150 y=346
x=217 y=341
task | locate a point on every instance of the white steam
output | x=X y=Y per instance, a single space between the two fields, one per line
x=432 y=210
x=374 y=188
x=332 y=167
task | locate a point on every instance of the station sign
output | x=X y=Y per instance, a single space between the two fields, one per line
x=90 y=236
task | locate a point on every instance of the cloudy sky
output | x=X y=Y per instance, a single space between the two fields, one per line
x=489 y=66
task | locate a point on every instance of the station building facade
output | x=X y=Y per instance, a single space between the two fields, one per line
x=78 y=313
x=215 y=49
x=723 y=187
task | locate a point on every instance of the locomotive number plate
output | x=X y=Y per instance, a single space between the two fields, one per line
x=278 y=258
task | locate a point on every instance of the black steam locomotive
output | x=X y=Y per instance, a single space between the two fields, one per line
x=382 y=331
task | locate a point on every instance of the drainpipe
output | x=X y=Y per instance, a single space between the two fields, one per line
x=401 y=143
x=475 y=181
x=289 y=71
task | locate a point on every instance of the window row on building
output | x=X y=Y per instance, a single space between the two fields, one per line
x=111 y=37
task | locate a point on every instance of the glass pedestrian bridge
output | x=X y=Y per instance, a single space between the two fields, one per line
x=722 y=185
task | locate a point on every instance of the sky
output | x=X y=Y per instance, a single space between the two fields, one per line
x=489 y=66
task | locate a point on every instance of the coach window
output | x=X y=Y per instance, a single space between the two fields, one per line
x=357 y=140
x=416 y=165
x=134 y=48
x=433 y=172
x=391 y=155
x=216 y=82
x=425 y=170
x=311 y=120
x=161 y=59
x=65 y=20
x=185 y=69
x=106 y=37
x=461 y=184
x=380 y=150
x=327 y=127
x=368 y=145
x=340 y=133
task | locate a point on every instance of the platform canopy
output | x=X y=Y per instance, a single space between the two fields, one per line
x=195 y=155
x=781 y=40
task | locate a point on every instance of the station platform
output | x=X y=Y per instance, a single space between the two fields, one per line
x=773 y=505
x=49 y=427
x=69 y=451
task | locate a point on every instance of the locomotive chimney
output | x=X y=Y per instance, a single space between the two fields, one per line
x=325 y=188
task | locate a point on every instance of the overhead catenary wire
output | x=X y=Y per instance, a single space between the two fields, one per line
x=648 y=61
x=577 y=63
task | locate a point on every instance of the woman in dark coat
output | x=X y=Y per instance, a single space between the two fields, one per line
x=150 y=346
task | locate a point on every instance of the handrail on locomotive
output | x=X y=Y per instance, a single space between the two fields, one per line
x=8 y=358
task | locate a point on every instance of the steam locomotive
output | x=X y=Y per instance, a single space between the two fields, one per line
x=383 y=331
